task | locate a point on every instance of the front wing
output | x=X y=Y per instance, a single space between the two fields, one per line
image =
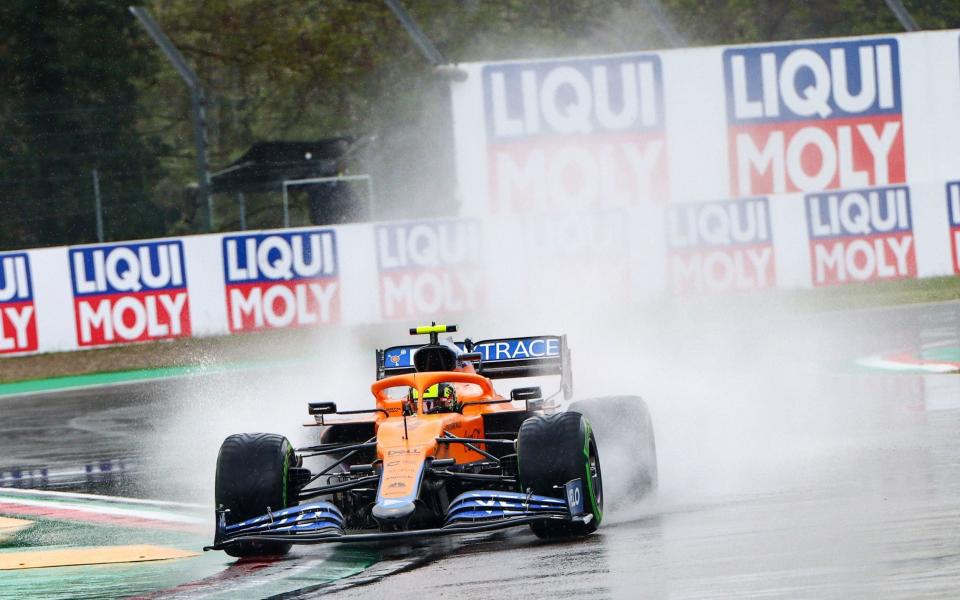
x=470 y=512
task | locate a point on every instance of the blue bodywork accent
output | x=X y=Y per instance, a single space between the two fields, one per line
x=482 y=510
x=487 y=505
x=312 y=517
x=576 y=497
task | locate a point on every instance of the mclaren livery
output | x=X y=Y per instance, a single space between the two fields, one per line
x=440 y=453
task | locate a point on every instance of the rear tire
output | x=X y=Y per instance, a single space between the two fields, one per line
x=552 y=450
x=252 y=478
x=625 y=432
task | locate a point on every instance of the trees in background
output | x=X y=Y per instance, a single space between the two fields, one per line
x=85 y=88
x=69 y=104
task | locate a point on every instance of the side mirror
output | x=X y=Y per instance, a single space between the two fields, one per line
x=322 y=408
x=526 y=393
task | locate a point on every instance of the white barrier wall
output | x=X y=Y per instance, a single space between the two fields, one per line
x=788 y=165
x=57 y=299
x=768 y=166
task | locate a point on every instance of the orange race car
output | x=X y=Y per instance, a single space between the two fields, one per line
x=440 y=453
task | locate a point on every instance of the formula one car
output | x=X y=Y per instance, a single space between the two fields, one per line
x=440 y=453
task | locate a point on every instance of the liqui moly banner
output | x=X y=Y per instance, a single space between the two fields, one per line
x=840 y=157
x=861 y=235
x=812 y=117
x=574 y=133
x=429 y=268
x=129 y=292
x=718 y=246
x=282 y=279
x=953 y=214
x=18 y=322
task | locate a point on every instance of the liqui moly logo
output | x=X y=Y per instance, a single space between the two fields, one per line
x=860 y=235
x=576 y=235
x=814 y=117
x=575 y=133
x=719 y=246
x=18 y=321
x=429 y=268
x=953 y=212
x=129 y=292
x=280 y=280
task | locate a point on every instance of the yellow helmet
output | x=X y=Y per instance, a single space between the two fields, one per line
x=439 y=397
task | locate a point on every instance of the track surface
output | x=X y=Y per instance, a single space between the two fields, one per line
x=785 y=472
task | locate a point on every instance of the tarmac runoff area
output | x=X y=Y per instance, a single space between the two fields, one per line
x=857 y=498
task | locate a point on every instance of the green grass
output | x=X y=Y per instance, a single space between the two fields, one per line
x=876 y=294
x=846 y=297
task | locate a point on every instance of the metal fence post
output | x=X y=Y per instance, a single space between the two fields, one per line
x=98 y=207
x=373 y=206
x=419 y=38
x=198 y=103
x=673 y=37
x=242 y=205
x=903 y=15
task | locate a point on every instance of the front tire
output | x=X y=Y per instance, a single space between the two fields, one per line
x=552 y=450
x=252 y=478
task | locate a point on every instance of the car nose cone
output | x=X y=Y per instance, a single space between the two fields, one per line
x=391 y=511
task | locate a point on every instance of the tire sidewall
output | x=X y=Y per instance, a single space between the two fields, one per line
x=553 y=450
x=590 y=443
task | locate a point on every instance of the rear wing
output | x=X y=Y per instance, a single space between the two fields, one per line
x=500 y=358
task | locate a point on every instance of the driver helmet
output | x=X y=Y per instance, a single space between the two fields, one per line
x=439 y=397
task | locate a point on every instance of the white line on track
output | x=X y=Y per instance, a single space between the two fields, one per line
x=98 y=498
x=197 y=372
x=168 y=517
x=85 y=387
x=878 y=362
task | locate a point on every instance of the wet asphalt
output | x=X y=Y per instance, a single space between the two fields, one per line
x=785 y=470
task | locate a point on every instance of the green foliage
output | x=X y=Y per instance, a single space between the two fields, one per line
x=85 y=88
x=68 y=106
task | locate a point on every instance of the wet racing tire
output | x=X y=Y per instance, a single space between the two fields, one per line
x=624 y=432
x=252 y=478
x=552 y=450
